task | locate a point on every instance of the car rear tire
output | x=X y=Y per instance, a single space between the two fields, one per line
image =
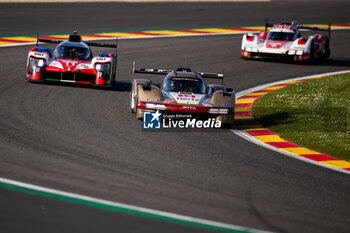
x=327 y=49
x=131 y=109
x=312 y=53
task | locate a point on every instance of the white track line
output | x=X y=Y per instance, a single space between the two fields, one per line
x=184 y=218
x=255 y=141
x=133 y=1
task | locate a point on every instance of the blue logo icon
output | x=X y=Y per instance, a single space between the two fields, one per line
x=151 y=120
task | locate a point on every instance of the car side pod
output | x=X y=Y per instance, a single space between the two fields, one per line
x=105 y=69
x=146 y=92
x=224 y=100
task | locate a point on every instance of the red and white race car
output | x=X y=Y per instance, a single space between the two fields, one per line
x=72 y=61
x=183 y=91
x=285 y=41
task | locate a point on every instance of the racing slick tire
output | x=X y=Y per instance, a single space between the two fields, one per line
x=113 y=78
x=327 y=49
x=312 y=52
x=139 y=114
x=131 y=109
x=226 y=120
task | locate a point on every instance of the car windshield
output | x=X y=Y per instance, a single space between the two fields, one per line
x=182 y=84
x=70 y=52
x=280 y=36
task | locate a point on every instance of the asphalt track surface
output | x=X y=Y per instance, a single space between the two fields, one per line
x=84 y=140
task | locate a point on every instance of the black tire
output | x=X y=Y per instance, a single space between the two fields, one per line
x=312 y=53
x=327 y=49
x=130 y=108
x=114 y=75
x=113 y=79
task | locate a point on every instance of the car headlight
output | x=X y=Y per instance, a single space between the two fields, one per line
x=156 y=106
x=102 y=66
x=103 y=69
x=40 y=63
x=219 y=110
x=35 y=64
x=251 y=49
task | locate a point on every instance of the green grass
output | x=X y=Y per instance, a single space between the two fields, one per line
x=314 y=114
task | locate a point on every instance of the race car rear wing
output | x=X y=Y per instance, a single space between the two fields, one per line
x=152 y=71
x=211 y=75
x=318 y=29
x=165 y=72
x=76 y=38
x=270 y=25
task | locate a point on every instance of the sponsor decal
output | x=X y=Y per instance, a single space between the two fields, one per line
x=187 y=98
x=71 y=63
x=39 y=54
x=56 y=64
x=275 y=44
x=82 y=67
x=283 y=26
x=101 y=59
x=153 y=100
x=189 y=107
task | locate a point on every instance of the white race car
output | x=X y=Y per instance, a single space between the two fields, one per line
x=285 y=41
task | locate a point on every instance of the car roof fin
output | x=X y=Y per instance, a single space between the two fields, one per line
x=180 y=68
x=75 y=37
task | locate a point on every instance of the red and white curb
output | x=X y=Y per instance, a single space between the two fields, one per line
x=249 y=128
